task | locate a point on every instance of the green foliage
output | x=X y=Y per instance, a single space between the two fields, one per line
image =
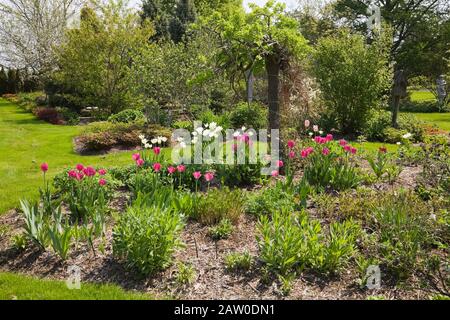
x=127 y=116
x=252 y=116
x=352 y=76
x=403 y=236
x=378 y=163
x=269 y=200
x=19 y=242
x=60 y=235
x=237 y=261
x=96 y=60
x=185 y=274
x=177 y=77
x=86 y=198
x=291 y=242
x=147 y=237
x=377 y=122
x=222 y=230
x=218 y=204
x=36 y=223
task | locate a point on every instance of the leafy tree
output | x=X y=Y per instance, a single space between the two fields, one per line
x=178 y=76
x=170 y=17
x=266 y=38
x=29 y=30
x=159 y=12
x=96 y=60
x=207 y=7
x=352 y=76
x=420 y=27
x=184 y=15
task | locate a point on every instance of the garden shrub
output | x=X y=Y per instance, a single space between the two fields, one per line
x=218 y=204
x=69 y=116
x=46 y=114
x=100 y=136
x=378 y=127
x=377 y=122
x=340 y=61
x=183 y=124
x=147 y=237
x=393 y=135
x=127 y=116
x=413 y=125
x=253 y=116
x=422 y=106
x=208 y=116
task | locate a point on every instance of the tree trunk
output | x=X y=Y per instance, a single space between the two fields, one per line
x=273 y=77
x=395 y=109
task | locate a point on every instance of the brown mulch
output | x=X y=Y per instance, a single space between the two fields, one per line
x=212 y=280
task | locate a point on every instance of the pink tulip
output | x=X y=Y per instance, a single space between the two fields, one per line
x=157 y=167
x=89 y=171
x=353 y=150
x=209 y=176
x=291 y=155
x=197 y=175
x=309 y=150
x=280 y=163
x=102 y=182
x=275 y=173
x=320 y=140
x=325 y=151
x=102 y=172
x=329 y=137
x=315 y=128
x=347 y=148
x=80 y=167
x=156 y=150
x=307 y=123
x=136 y=156
x=72 y=174
x=139 y=162
x=304 y=153
x=291 y=144
x=171 y=170
x=80 y=176
x=342 y=143
x=181 y=168
x=44 y=167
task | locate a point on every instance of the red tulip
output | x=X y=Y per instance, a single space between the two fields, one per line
x=44 y=167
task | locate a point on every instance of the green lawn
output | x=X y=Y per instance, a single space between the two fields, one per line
x=422 y=96
x=20 y=287
x=27 y=142
x=442 y=120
